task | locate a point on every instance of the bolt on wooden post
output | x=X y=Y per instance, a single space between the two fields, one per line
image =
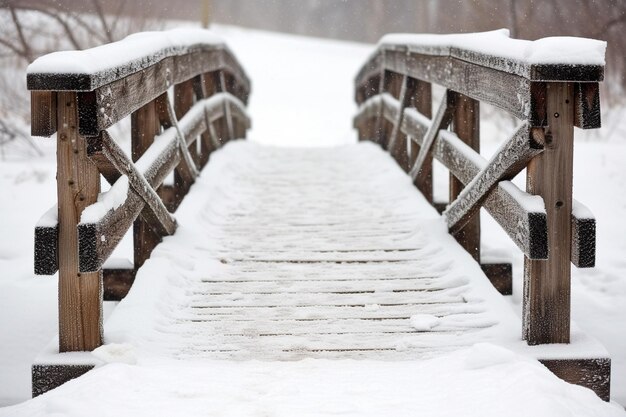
x=546 y=317
x=78 y=185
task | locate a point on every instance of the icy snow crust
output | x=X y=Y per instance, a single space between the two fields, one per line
x=497 y=49
x=132 y=54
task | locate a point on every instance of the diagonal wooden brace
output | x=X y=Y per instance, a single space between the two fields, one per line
x=227 y=112
x=441 y=121
x=182 y=143
x=406 y=93
x=509 y=160
x=125 y=166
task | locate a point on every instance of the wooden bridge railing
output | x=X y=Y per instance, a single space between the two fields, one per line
x=79 y=95
x=548 y=96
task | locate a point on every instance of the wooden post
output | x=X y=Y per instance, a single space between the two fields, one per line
x=145 y=126
x=183 y=101
x=466 y=124
x=422 y=101
x=546 y=316
x=78 y=185
x=209 y=88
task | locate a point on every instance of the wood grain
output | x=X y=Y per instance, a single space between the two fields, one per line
x=78 y=185
x=43 y=110
x=466 y=125
x=547 y=283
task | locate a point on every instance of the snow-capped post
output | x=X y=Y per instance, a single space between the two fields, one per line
x=547 y=283
x=78 y=186
x=79 y=95
x=550 y=86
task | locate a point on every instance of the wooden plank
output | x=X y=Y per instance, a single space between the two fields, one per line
x=422 y=101
x=327 y=327
x=184 y=98
x=117 y=283
x=50 y=376
x=164 y=221
x=219 y=56
x=505 y=83
x=314 y=313
x=403 y=99
x=46 y=243
x=466 y=125
x=441 y=121
x=508 y=92
x=583 y=236
x=587 y=106
x=204 y=87
x=43 y=113
x=223 y=87
x=185 y=172
x=145 y=126
x=500 y=275
x=593 y=373
x=364 y=285
x=108 y=104
x=303 y=299
x=508 y=161
x=78 y=185
x=547 y=283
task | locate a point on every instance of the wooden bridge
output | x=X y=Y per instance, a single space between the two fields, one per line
x=282 y=254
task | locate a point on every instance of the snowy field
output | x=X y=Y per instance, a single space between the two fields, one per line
x=302 y=96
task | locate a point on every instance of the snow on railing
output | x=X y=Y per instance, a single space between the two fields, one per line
x=79 y=95
x=551 y=85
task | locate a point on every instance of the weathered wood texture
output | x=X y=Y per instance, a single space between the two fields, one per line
x=500 y=275
x=78 y=185
x=506 y=203
x=145 y=126
x=515 y=87
x=547 y=283
x=594 y=374
x=44 y=113
x=49 y=377
x=422 y=101
x=583 y=236
x=94 y=249
x=508 y=161
x=466 y=125
x=103 y=105
x=46 y=243
x=185 y=172
x=81 y=107
x=117 y=283
x=442 y=120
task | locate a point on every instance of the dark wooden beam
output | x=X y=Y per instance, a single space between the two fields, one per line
x=549 y=175
x=43 y=110
x=508 y=161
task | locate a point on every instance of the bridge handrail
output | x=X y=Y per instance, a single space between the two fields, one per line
x=550 y=85
x=81 y=94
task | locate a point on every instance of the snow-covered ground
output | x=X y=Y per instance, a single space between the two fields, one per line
x=303 y=95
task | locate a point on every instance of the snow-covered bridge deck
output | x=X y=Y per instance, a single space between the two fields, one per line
x=293 y=253
x=282 y=254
